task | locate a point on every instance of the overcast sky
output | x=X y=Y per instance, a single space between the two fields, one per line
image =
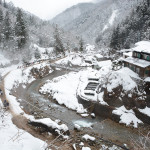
x=46 y=9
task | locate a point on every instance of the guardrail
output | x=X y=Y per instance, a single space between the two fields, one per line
x=64 y=67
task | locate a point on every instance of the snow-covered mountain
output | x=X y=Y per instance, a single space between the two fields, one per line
x=96 y=22
x=71 y=14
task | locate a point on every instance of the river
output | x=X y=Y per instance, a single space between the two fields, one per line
x=101 y=126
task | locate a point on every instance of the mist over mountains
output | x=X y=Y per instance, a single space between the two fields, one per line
x=95 y=21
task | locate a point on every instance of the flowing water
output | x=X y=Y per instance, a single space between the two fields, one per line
x=106 y=128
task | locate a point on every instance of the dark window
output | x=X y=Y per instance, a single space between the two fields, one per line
x=148 y=58
x=146 y=71
x=139 y=55
x=132 y=68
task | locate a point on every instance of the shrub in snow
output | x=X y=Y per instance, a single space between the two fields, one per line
x=37 y=54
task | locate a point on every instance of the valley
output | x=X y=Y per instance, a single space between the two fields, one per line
x=80 y=81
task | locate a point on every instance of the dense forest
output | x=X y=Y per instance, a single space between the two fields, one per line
x=134 y=28
x=19 y=30
x=13 y=33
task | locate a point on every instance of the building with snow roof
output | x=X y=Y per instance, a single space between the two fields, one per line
x=139 y=62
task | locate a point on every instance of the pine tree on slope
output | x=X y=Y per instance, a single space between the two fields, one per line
x=20 y=30
x=7 y=30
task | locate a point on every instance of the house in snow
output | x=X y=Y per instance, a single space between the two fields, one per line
x=139 y=62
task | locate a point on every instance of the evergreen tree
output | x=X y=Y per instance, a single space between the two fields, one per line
x=1 y=16
x=115 y=38
x=0 y=2
x=135 y=28
x=4 y=4
x=37 y=54
x=20 y=30
x=1 y=25
x=7 y=30
x=58 y=45
x=81 y=48
x=148 y=3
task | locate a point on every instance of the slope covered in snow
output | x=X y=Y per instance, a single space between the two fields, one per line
x=4 y=61
x=14 y=138
x=71 y=14
x=102 y=16
x=127 y=116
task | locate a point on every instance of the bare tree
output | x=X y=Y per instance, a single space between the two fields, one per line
x=143 y=143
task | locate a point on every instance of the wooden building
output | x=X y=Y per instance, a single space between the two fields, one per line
x=140 y=60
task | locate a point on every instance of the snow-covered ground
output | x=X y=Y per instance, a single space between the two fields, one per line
x=25 y=140
x=111 y=79
x=81 y=59
x=108 y=79
x=4 y=61
x=14 y=138
x=13 y=79
x=63 y=89
x=145 y=111
x=73 y=59
x=127 y=116
x=44 y=53
x=4 y=71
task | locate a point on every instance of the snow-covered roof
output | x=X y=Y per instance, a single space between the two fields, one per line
x=138 y=62
x=124 y=50
x=147 y=79
x=142 y=46
x=129 y=54
x=104 y=63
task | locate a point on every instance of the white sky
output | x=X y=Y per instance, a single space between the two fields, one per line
x=46 y=9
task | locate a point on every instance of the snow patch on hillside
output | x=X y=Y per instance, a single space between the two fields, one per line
x=13 y=79
x=44 y=53
x=127 y=116
x=113 y=16
x=4 y=61
x=145 y=111
x=111 y=20
x=117 y=78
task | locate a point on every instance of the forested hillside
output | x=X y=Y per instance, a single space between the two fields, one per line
x=96 y=24
x=71 y=14
x=134 y=28
x=20 y=29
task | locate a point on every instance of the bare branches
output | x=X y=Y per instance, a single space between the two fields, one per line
x=143 y=143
